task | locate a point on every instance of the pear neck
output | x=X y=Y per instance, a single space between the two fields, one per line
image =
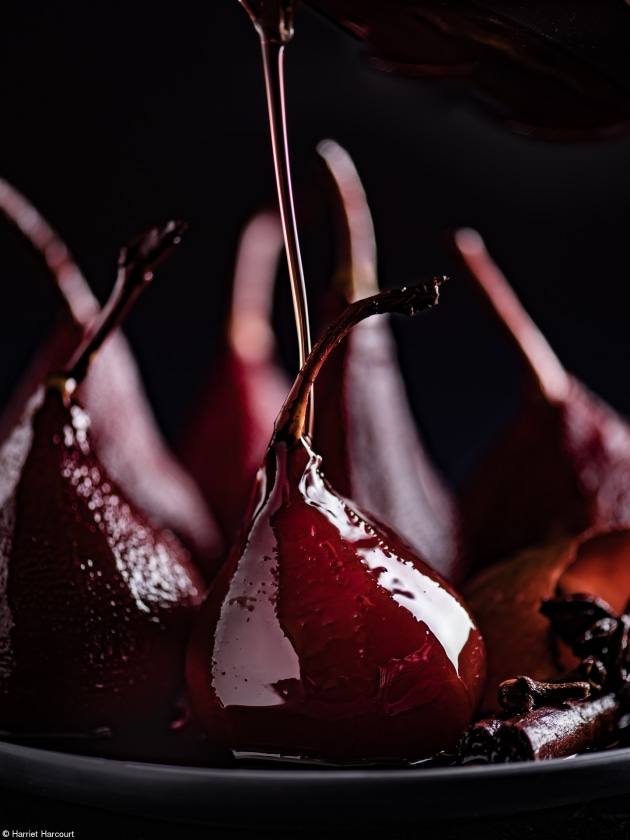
x=356 y=272
x=249 y=332
x=50 y=251
x=542 y=367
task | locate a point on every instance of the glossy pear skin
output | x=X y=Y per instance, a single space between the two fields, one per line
x=135 y=453
x=95 y=604
x=325 y=637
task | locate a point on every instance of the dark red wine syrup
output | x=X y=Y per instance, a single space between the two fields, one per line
x=273 y=20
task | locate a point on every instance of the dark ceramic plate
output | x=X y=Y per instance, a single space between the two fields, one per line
x=277 y=798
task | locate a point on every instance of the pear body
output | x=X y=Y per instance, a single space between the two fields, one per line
x=130 y=444
x=95 y=602
x=325 y=637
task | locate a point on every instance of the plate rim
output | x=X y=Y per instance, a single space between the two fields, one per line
x=276 y=797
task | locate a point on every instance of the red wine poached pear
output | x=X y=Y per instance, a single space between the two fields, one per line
x=95 y=601
x=561 y=464
x=324 y=636
x=368 y=437
x=123 y=427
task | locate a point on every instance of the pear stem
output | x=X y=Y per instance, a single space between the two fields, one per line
x=135 y=272
x=291 y=421
x=273 y=21
x=541 y=363
x=356 y=273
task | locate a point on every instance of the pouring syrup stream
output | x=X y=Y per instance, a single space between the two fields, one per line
x=273 y=21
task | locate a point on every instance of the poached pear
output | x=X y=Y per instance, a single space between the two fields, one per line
x=368 y=436
x=123 y=427
x=324 y=636
x=561 y=465
x=96 y=602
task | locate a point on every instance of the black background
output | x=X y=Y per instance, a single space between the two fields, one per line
x=119 y=116
x=122 y=117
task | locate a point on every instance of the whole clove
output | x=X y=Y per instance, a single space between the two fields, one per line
x=544 y=720
x=523 y=694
